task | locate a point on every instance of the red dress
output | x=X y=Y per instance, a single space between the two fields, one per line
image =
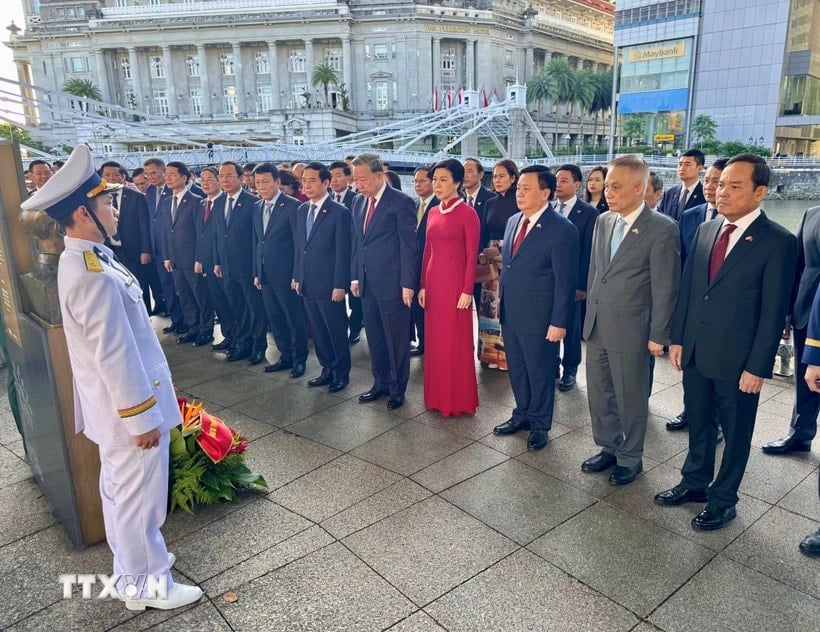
x=448 y=270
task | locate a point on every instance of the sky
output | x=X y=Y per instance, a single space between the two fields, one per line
x=12 y=12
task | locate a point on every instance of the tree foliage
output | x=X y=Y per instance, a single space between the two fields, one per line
x=324 y=75
x=84 y=88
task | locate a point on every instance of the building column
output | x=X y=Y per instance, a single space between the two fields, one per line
x=24 y=76
x=308 y=64
x=436 y=74
x=529 y=63
x=470 y=61
x=102 y=75
x=170 y=88
x=347 y=64
x=204 y=84
x=239 y=84
x=273 y=61
x=580 y=64
x=136 y=81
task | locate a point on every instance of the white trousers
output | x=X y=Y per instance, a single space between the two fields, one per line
x=134 y=491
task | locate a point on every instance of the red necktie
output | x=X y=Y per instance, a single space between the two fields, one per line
x=207 y=210
x=370 y=211
x=521 y=235
x=719 y=251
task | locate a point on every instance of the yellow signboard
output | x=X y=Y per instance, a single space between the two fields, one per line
x=662 y=51
x=664 y=138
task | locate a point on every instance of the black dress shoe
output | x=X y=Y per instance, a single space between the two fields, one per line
x=600 y=462
x=187 y=338
x=679 y=495
x=417 y=351
x=279 y=365
x=372 y=395
x=623 y=475
x=785 y=445
x=811 y=544
x=239 y=353
x=678 y=423
x=567 y=382
x=537 y=439
x=713 y=518
x=225 y=345
x=298 y=370
x=203 y=340
x=257 y=357
x=354 y=337
x=170 y=329
x=338 y=385
x=321 y=380
x=511 y=427
x=395 y=401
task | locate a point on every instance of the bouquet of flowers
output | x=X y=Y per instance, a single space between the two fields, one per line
x=207 y=460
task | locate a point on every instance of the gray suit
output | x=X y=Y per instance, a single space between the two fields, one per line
x=630 y=301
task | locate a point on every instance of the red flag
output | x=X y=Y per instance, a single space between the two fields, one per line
x=494 y=96
x=435 y=99
x=459 y=97
x=484 y=100
x=449 y=101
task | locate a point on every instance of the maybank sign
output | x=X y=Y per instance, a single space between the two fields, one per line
x=651 y=53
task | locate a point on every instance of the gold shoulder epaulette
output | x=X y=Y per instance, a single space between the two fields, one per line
x=92 y=261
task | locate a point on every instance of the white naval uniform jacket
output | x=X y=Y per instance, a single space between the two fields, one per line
x=122 y=383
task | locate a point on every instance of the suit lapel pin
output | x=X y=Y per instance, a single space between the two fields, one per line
x=538 y=225
x=637 y=231
x=750 y=239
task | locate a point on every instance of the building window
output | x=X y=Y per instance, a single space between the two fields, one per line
x=130 y=99
x=299 y=140
x=77 y=64
x=380 y=52
x=333 y=58
x=382 y=100
x=508 y=57
x=261 y=63
x=157 y=69
x=193 y=66
x=196 y=101
x=122 y=3
x=264 y=99
x=160 y=102
x=395 y=92
x=448 y=62
x=125 y=68
x=297 y=95
x=297 y=61
x=156 y=3
x=108 y=148
x=226 y=63
x=230 y=100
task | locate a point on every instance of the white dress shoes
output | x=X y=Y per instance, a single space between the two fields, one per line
x=178 y=595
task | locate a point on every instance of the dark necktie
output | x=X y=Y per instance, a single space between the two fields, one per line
x=339 y=198
x=207 y=210
x=471 y=200
x=522 y=233
x=115 y=200
x=174 y=204
x=371 y=209
x=719 y=251
x=309 y=220
x=266 y=216
x=684 y=197
x=228 y=209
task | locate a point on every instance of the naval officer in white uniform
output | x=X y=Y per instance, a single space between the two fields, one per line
x=124 y=399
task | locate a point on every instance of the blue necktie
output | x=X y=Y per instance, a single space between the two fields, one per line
x=617 y=237
x=309 y=221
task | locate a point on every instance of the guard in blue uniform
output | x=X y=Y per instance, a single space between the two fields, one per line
x=124 y=398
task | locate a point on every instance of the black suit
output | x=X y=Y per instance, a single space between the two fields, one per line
x=205 y=243
x=385 y=260
x=233 y=252
x=482 y=196
x=273 y=256
x=416 y=311
x=321 y=265
x=671 y=197
x=134 y=233
x=153 y=196
x=355 y=320
x=179 y=244
x=727 y=326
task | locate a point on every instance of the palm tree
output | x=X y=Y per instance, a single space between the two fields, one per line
x=542 y=87
x=84 y=88
x=323 y=75
x=602 y=101
x=561 y=72
x=581 y=92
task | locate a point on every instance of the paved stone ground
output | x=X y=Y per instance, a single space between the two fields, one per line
x=407 y=521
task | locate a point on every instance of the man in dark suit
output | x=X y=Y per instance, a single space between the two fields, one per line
x=274 y=227
x=807 y=278
x=539 y=278
x=341 y=194
x=423 y=186
x=568 y=180
x=689 y=192
x=476 y=195
x=133 y=228
x=178 y=215
x=154 y=170
x=233 y=263
x=634 y=273
x=385 y=274
x=321 y=274
x=689 y=223
x=730 y=313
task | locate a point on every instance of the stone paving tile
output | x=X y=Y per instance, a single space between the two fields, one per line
x=665 y=373
x=248 y=426
x=329 y=590
x=76 y=614
x=23 y=511
x=459 y=466
x=571 y=408
x=299 y=545
x=8 y=429
x=410 y=447
x=733 y=598
x=204 y=618
x=419 y=621
x=282 y=457
x=346 y=425
x=660 y=444
x=234 y=538
x=360 y=381
x=518 y=501
x=637 y=499
x=12 y=468
x=189 y=375
x=469 y=426
x=667 y=403
x=380 y=505
x=236 y=387
x=803 y=499
x=17 y=449
x=622 y=556
x=287 y=404
x=333 y=487
x=180 y=523
x=511 y=445
x=524 y=592
x=428 y=548
x=770 y=546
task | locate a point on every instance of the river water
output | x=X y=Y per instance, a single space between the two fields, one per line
x=788 y=212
